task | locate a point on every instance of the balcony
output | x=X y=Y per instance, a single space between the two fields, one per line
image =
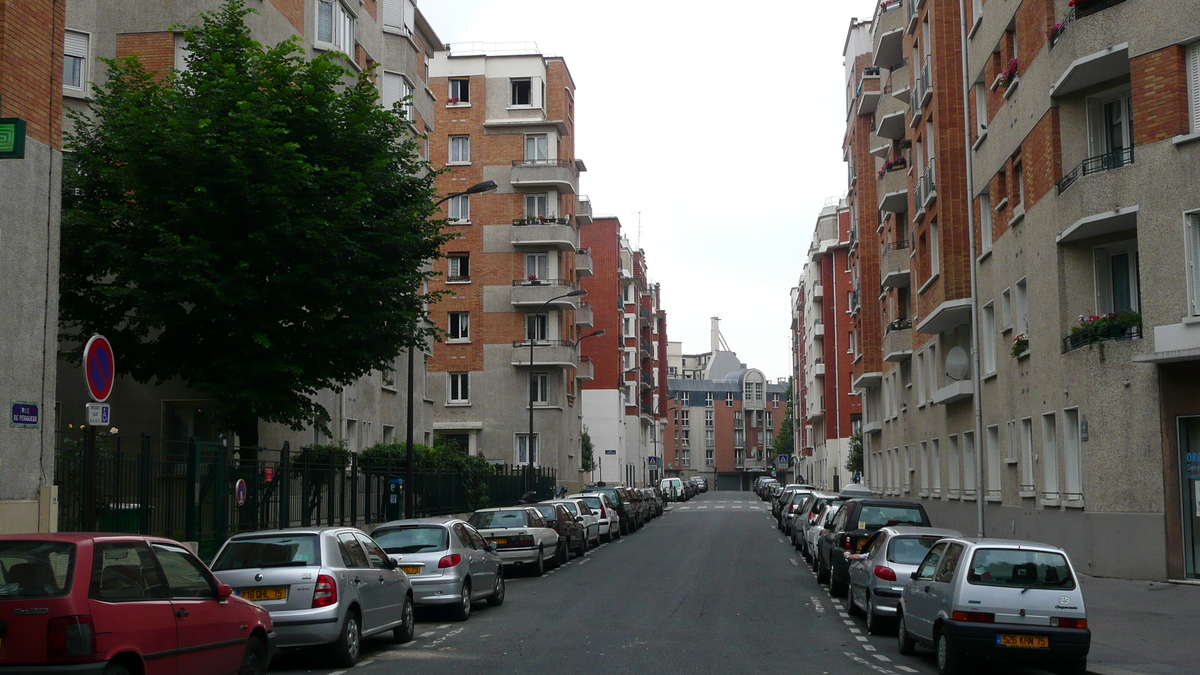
x=1080 y=9
x=557 y=174
x=954 y=392
x=818 y=370
x=898 y=341
x=1110 y=331
x=890 y=117
x=585 y=371
x=926 y=82
x=818 y=291
x=583 y=210
x=894 y=268
x=545 y=233
x=584 y=318
x=1174 y=343
x=893 y=186
x=889 y=27
x=546 y=354
x=1109 y=160
x=644 y=318
x=899 y=82
x=868 y=92
x=583 y=262
x=818 y=331
x=535 y=292
x=926 y=192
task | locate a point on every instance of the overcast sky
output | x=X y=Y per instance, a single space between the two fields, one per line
x=717 y=125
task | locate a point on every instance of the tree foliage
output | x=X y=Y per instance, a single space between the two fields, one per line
x=783 y=441
x=444 y=456
x=256 y=225
x=586 y=459
x=854 y=460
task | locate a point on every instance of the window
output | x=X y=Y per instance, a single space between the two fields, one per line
x=921 y=378
x=985 y=224
x=981 y=111
x=739 y=419
x=935 y=466
x=527 y=452
x=460 y=388
x=1049 y=456
x=923 y=467
x=460 y=326
x=460 y=149
x=1010 y=430
x=686 y=418
x=399 y=14
x=687 y=456
x=968 y=447
x=993 y=461
x=537 y=266
x=934 y=380
x=1073 y=470
x=630 y=360
x=535 y=205
x=536 y=147
x=935 y=256
x=708 y=417
x=1193 y=63
x=1027 y=484
x=351 y=436
x=335 y=25
x=539 y=388
x=1116 y=267
x=182 y=53
x=458 y=267
x=75 y=60
x=1110 y=132
x=770 y=420
x=522 y=91
x=352 y=554
x=709 y=438
x=739 y=438
x=121 y=572
x=729 y=399
x=1006 y=309
x=1021 y=308
x=460 y=90
x=397 y=90
x=1019 y=179
x=537 y=327
x=1192 y=226
x=686 y=438
x=954 y=463
x=186 y=576
x=630 y=399
x=709 y=459
x=708 y=399
x=629 y=331
x=988 y=338
x=460 y=208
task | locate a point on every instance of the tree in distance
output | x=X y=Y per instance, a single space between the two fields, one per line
x=256 y=225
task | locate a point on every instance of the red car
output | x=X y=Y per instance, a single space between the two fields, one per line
x=116 y=604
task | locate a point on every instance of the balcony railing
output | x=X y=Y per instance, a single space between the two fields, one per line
x=544 y=162
x=542 y=220
x=1080 y=9
x=1109 y=334
x=926 y=188
x=898 y=245
x=898 y=324
x=544 y=282
x=1109 y=160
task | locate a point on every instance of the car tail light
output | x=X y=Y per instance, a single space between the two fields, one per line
x=325 y=592
x=885 y=573
x=974 y=617
x=449 y=561
x=846 y=541
x=1063 y=622
x=70 y=638
x=523 y=540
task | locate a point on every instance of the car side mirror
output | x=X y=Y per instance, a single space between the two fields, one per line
x=223 y=592
x=912 y=577
x=390 y=563
x=492 y=546
x=579 y=519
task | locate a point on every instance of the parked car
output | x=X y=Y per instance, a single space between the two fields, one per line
x=609 y=520
x=672 y=488
x=777 y=502
x=145 y=595
x=447 y=561
x=702 y=483
x=520 y=534
x=1016 y=600
x=328 y=586
x=620 y=499
x=807 y=518
x=660 y=499
x=689 y=489
x=570 y=532
x=890 y=556
x=857 y=520
x=760 y=486
x=814 y=532
x=773 y=491
x=788 y=512
x=583 y=514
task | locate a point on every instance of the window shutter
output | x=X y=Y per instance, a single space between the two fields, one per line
x=410 y=10
x=75 y=44
x=1194 y=84
x=392 y=90
x=1193 y=237
x=393 y=13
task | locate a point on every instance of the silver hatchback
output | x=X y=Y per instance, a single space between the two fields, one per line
x=878 y=574
x=447 y=561
x=322 y=586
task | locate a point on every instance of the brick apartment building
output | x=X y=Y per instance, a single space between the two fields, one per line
x=31 y=44
x=392 y=34
x=623 y=406
x=825 y=316
x=1055 y=177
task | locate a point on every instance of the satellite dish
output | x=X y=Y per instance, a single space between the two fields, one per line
x=957 y=364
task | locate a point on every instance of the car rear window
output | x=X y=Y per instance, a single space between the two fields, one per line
x=570 y=506
x=413 y=539
x=593 y=502
x=547 y=511
x=1018 y=568
x=482 y=520
x=274 y=551
x=876 y=516
x=910 y=550
x=35 y=569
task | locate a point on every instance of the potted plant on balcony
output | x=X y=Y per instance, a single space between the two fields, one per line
x=1020 y=345
x=532 y=280
x=1100 y=327
x=1010 y=73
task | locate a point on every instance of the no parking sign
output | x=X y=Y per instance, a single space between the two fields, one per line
x=239 y=492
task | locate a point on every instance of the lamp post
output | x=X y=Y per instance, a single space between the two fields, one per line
x=409 y=496
x=529 y=442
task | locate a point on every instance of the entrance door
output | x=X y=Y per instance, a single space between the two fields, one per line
x=1189 y=472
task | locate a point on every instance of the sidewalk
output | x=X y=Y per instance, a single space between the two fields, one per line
x=1142 y=627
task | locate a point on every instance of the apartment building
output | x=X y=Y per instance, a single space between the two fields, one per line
x=31 y=41
x=623 y=405
x=390 y=34
x=1063 y=185
x=511 y=276
x=826 y=319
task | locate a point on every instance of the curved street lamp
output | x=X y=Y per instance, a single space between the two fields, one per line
x=409 y=496
x=529 y=442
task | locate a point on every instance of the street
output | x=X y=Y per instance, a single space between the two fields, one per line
x=710 y=587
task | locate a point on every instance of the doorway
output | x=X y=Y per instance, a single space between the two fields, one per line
x=1189 y=465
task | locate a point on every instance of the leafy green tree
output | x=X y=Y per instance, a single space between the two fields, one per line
x=854 y=461
x=257 y=225
x=586 y=460
x=783 y=441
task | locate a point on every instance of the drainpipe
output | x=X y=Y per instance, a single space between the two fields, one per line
x=976 y=376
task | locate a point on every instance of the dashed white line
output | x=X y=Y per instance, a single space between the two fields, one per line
x=360 y=664
x=860 y=638
x=905 y=669
x=869 y=648
x=427 y=634
x=883 y=658
x=844 y=615
x=793 y=561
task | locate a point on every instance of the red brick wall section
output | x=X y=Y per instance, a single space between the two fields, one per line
x=602 y=237
x=1160 y=106
x=372 y=7
x=293 y=11
x=1042 y=153
x=156 y=51
x=31 y=52
x=1033 y=18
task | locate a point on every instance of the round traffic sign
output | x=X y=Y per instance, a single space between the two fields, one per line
x=99 y=368
x=239 y=492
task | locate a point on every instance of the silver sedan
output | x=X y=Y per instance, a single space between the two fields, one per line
x=878 y=574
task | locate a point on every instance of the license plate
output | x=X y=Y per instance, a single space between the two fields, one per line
x=1034 y=641
x=500 y=541
x=257 y=594
x=411 y=569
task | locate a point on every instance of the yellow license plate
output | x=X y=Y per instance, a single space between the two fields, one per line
x=500 y=541
x=411 y=569
x=1034 y=641
x=257 y=594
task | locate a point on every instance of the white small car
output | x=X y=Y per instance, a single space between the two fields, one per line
x=583 y=514
x=607 y=519
x=520 y=535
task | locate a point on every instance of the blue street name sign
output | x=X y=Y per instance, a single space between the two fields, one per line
x=610 y=452
x=25 y=415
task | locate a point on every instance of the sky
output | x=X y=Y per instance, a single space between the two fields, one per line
x=715 y=126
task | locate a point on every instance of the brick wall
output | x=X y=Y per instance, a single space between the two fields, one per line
x=1042 y=153
x=156 y=51
x=1033 y=18
x=602 y=237
x=293 y=11
x=31 y=47
x=1159 y=83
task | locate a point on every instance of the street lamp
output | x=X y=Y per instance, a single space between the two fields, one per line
x=529 y=442
x=409 y=496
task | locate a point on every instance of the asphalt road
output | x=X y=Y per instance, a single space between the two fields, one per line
x=710 y=587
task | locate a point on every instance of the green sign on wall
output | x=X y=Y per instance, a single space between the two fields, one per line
x=12 y=138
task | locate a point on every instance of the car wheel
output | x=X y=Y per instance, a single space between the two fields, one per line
x=116 y=669
x=874 y=621
x=564 y=553
x=851 y=606
x=348 y=647
x=837 y=588
x=823 y=574
x=408 y=623
x=585 y=545
x=949 y=659
x=607 y=538
x=254 y=661
x=462 y=610
x=539 y=565
x=497 y=597
x=904 y=642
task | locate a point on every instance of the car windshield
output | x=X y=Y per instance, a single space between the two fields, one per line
x=593 y=502
x=547 y=511
x=482 y=520
x=278 y=551
x=910 y=550
x=1017 y=568
x=35 y=569
x=570 y=506
x=413 y=539
x=876 y=516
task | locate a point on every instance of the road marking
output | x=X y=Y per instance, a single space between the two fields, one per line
x=781 y=540
x=855 y=631
x=869 y=648
x=844 y=615
x=718 y=507
x=817 y=605
x=684 y=508
x=360 y=664
x=863 y=662
x=905 y=669
x=701 y=508
x=793 y=561
x=445 y=625
x=338 y=672
x=445 y=637
x=421 y=635
x=848 y=622
x=737 y=506
x=860 y=638
x=883 y=658
x=584 y=560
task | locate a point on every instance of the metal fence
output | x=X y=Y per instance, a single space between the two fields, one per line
x=192 y=491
